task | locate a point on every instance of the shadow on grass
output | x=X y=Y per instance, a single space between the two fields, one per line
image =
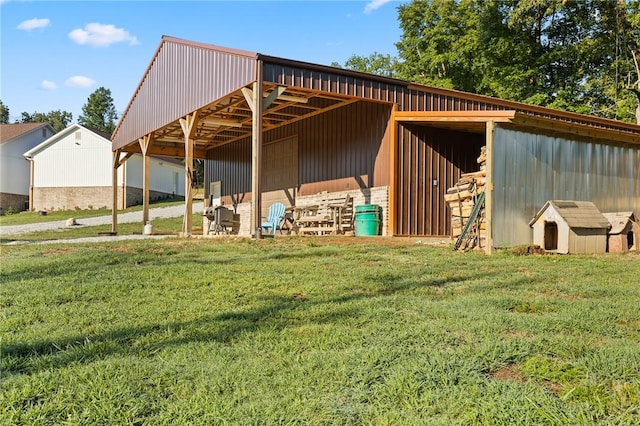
x=276 y=313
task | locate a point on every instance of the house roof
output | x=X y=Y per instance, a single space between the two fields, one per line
x=577 y=214
x=74 y=127
x=61 y=134
x=619 y=221
x=12 y=131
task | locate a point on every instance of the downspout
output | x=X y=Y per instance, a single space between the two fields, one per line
x=31 y=177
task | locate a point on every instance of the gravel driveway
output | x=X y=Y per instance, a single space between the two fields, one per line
x=160 y=212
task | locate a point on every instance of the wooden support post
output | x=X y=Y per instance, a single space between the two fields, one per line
x=145 y=143
x=188 y=129
x=257 y=106
x=488 y=190
x=393 y=177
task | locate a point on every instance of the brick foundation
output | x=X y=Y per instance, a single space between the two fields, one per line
x=87 y=198
x=15 y=202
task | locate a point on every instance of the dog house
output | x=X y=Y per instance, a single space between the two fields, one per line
x=624 y=234
x=570 y=227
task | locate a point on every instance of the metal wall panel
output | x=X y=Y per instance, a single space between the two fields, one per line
x=529 y=169
x=430 y=161
x=343 y=149
x=182 y=78
x=78 y=158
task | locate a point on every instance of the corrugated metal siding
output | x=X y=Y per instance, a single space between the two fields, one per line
x=530 y=169
x=426 y=154
x=181 y=79
x=79 y=159
x=343 y=149
x=371 y=88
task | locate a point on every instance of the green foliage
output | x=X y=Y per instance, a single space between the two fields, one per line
x=571 y=55
x=314 y=331
x=376 y=63
x=58 y=119
x=99 y=113
x=4 y=113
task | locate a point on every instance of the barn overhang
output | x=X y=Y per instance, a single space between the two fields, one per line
x=229 y=119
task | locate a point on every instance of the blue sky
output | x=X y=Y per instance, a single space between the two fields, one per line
x=54 y=54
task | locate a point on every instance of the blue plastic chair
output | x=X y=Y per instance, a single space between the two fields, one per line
x=276 y=214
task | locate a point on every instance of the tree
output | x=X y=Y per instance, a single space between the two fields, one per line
x=58 y=119
x=99 y=112
x=565 y=54
x=4 y=113
x=376 y=63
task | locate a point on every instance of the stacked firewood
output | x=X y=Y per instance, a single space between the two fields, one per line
x=462 y=198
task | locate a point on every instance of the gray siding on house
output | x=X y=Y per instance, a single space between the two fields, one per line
x=530 y=169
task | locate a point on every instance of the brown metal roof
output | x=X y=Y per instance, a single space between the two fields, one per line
x=184 y=77
x=11 y=131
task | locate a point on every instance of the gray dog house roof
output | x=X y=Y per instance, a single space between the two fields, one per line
x=577 y=214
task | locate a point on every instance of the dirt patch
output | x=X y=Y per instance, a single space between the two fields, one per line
x=510 y=373
x=57 y=252
x=527 y=250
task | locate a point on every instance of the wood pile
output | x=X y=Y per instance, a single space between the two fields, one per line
x=461 y=199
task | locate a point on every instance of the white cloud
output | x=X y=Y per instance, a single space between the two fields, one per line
x=32 y=24
x=375 y=4
x=80 y=81
x=48 y=85
x=101 y=35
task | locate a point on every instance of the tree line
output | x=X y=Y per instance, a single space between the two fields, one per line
x=99 y=113
x=575 y=55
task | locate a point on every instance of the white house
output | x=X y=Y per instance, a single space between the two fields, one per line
x=73 y=170
x=14 y=171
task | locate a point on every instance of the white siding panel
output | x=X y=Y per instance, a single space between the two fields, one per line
x=73 y=162
x=163 y=176
x=15 y=170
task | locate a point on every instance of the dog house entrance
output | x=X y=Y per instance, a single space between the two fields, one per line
x=550 y=236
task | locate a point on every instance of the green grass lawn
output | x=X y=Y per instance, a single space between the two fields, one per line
x=315 y=331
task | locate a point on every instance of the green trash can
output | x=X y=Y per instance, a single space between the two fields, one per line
x=367 y=220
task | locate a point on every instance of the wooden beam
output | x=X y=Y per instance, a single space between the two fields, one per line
x=256 y=157
x=188 y=129
x=488 y=201
x=393 y=175
x=276 y=93
x=248 y=96
x=145 y=142
x=125 y=158
x=455 y=116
